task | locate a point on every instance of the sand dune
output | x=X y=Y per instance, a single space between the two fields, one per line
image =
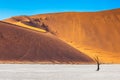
x=23 y=22
x=18 y=44
x=94 y=33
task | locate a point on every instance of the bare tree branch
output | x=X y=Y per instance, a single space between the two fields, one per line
x=97 y=62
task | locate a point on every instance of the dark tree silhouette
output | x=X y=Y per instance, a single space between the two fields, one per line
x=97 y=62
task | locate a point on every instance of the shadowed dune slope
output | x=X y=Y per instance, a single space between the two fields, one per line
x=21 y=44
x=94 y=33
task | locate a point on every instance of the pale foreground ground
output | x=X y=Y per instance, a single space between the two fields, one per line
x=58 y=72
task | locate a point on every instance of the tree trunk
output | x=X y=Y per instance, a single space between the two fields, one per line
x=98 y=63
x=98 y=66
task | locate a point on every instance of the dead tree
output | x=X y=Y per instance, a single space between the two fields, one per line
x=97 y=62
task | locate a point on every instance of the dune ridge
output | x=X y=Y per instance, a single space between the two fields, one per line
x=23 y=45
x=93 y=33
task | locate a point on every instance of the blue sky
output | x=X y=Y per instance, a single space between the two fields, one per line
x=10 y=8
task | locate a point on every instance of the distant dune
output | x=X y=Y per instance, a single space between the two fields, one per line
x=18 y=44
x=94 y=33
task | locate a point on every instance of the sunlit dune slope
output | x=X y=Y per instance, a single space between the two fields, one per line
x=22 y=23
x=94 y=33
x=25 y=45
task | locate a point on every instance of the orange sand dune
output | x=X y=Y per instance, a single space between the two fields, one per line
x=25 y=45
x=94 y=33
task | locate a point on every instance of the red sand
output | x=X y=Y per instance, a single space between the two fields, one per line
x=94 y=33
x=20 y=44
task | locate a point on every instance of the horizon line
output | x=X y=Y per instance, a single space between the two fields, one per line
x=57 y=12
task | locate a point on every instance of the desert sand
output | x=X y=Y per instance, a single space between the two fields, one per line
x=93 y=33
x=23 y=45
